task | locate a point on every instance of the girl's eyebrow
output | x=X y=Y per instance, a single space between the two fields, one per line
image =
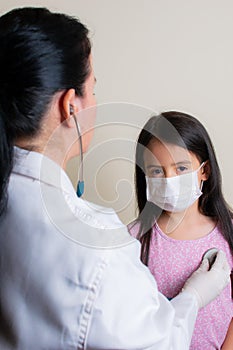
x=153 y=166
x=186 y=162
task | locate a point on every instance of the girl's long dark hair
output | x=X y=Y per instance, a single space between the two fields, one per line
x=186 y=131
x=41 y=53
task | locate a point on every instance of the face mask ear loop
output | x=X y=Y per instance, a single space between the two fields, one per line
x=201 y=166
x=202 y=182
x=80 y=185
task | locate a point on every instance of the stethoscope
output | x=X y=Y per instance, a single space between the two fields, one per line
x=80 y=185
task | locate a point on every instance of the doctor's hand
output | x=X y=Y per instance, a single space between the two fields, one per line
x=207 y=284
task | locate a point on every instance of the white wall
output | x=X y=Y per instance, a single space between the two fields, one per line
x=152 y=55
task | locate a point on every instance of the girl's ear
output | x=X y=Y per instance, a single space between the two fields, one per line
x=205 y=171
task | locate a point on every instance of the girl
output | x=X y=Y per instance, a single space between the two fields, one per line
x=182 y=213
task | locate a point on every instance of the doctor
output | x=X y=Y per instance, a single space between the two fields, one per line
x=71 y=277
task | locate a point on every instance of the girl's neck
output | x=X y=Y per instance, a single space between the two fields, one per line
x=187 y=225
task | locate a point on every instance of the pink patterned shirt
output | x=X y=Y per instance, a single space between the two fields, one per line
x=172 y=261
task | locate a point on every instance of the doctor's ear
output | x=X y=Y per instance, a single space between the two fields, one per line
x=69 y=105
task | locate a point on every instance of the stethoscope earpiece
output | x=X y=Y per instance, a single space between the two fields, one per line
x=71 y=110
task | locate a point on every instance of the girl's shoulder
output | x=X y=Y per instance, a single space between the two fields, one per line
x=133 y=228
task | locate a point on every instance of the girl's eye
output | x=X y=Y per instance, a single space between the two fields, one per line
x=155 y=172
x=182 y=169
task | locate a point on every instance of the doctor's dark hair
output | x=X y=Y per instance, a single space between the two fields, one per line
x=41 y=53
x=185 y=131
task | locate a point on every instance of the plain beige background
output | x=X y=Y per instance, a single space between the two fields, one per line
x=152 y=55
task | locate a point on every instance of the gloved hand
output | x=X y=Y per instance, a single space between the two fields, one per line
x=207 y=284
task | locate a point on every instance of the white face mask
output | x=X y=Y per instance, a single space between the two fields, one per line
x=176 y=193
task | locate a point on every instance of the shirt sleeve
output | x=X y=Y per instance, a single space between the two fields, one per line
x=130 y=313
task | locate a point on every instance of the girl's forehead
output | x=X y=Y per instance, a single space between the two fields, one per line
x=158 y=151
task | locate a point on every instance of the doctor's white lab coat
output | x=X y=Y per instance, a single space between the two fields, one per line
x=71 y=276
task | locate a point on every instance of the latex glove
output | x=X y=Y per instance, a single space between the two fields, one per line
x=207 y=284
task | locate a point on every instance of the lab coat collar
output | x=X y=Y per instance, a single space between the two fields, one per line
x=101 y=227
x=39 y=167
